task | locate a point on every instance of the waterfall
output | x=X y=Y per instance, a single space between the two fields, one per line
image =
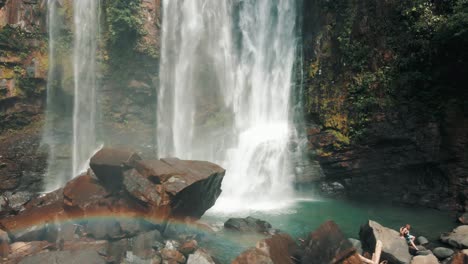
x=69 y=134
x=54 y=178
x=86 y=20
x=225 y=86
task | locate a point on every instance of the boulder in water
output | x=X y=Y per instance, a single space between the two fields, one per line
x=279 y=248
x=458 y=238
x=442 y=252
x=248 y=224
x=422 y=240
x=394 y=250
x=327 y=244
x=463 y=218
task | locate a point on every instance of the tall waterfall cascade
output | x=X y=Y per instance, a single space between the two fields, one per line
x=54 y=178
x=86 y=20
x=70 y=151
x=226 y=74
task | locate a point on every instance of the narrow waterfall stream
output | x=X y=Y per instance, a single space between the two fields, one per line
x=86 y=14
x=226 y=76
x=70 y=129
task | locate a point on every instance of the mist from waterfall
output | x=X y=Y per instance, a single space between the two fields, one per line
x=225 y=87
x=70 y=134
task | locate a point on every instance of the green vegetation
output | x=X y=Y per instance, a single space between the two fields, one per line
x=374 y=57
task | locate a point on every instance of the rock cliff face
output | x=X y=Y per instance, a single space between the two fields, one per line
x=23 y=63
x=385 y=109
x=128 y=80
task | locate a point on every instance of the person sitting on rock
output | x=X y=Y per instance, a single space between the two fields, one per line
x=405 y=232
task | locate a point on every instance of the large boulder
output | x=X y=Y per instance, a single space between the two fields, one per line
x=277 y=249
x=253 y=256
x=457 y=238
x=459 y=258
x=394 y=250
x=442 y=252
x=248 y=224
x=428 y=259
x=327 y=244
x=280 y=247
x=109 y=164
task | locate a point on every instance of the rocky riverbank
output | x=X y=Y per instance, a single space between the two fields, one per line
x=126 y=209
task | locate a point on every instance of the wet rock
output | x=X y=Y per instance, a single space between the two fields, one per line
x=141 y=188
x=394 y=248
x=116 y=250
x=200 y=257
x=459 y=258
x=424 y=252
x=103 y=229
x=186 y=195
x=188 y=247
x=458 y=238
x=83 y=191
x=28 y=225
x=463 y=218
x=156 y=171
x=17 y=200
x=71 y=257
x=429 y=259
x=4 y=244
x=331 y=188
x=253 y=256
x=85 y=244
x=143 y=243
x=172 y=245
x=19 y=250
x=200 y=189
x=85 y=196
x=248 y=224
x=67 y=231
x=132 y=227
x=442 y=253
x=172 y=255
x=422 y=240
x=280 y=247
x=32 y=233
x=327 y=244
x=109 y=164
x=356 y=244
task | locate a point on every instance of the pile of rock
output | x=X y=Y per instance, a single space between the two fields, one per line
x=327 y=244
x=109 y=203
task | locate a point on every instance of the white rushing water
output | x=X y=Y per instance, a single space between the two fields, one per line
x=53 y=180
x=86 y=32
x=70 y=135
x=225 y=88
